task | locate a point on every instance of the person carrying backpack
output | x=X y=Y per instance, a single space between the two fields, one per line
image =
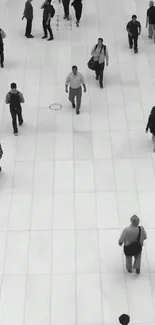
x=1 y=154
x=151 y=126
x=100 y=54
x=48 y=13
x=15 y=98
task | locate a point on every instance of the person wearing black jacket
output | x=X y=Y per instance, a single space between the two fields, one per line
x=48 y=13
x=151 y=126
x=28 y=14
x=77 y=4
x=134 y=29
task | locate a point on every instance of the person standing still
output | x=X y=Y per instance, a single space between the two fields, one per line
x=134 y=29
x=15 y=98
x=28 y=14
x=75 y=79
x=66 y=4
x=48 y=13
x=129 y=237
x=100 y=55
x=77 y=4
x=2 y=36
x=150 y=20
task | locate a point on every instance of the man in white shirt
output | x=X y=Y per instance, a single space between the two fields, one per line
x=75 y=79
x=2 y=36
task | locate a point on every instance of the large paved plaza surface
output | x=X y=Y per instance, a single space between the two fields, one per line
x=70 y=183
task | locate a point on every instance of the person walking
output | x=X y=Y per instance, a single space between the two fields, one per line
x=28 y=14
x=15 y=98
x=134 y=29
x=66 y=4
x=124 y=319
x=75 y=79
x=133 y=238
x=77 y=4
x=150 y=20
x=151 y=126
x=1 y=154
x=100 y=55
x=2 y=36
x=48 y=13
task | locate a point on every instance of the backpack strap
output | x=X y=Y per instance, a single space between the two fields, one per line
x=102 y=47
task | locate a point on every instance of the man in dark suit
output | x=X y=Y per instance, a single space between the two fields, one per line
x=66 y=8
x=28 y=14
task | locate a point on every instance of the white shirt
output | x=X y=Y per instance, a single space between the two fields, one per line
x=75 y=81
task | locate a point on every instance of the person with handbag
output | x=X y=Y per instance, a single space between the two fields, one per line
x=28 y=14
x=1 y=154
x=99 y=56
x=151 y=126
x=77 y=4
x=133 y=238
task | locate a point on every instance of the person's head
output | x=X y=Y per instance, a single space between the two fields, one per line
x=134 y=220
x=74 y=69
x=151 y=3
x=100 y=41
x=124 y=319
x=134 y=18
x=153 y=111
x=13 y=85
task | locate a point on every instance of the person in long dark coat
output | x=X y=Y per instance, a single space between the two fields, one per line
x=77 y=4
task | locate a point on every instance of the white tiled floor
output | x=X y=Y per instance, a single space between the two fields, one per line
x=70 y=183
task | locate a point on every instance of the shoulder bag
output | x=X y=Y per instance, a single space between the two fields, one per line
x=91 y=63
x=134 y=248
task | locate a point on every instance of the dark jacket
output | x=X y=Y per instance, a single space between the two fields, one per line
x=151 y=124
x=1 y=151
x=28 y=11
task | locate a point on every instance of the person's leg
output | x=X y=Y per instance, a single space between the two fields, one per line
x=137 y=263
x=2 y=55
x=19 y=113
x=67 y=8
x=153 y=29
x=101 y=74
x=14 y=119
x=97 y=70
x=129 y=263
x=78 y=12
x=26 y=30
x=29 y=27
x=150 y=31
x=50 y=31
x=130 y=39
x=72 y=93
x=78 y=99
x=136 y=43
x=44 y=28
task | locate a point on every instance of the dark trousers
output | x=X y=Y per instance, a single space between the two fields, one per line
x=78 y=11
x=14 y=113
x=28 y=27
x=133 y=40
x=99 y=68
x=47 y=28
x=75 y=93
x=2 y=53
x=66 y=7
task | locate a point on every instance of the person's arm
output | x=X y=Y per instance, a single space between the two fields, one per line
x=107 y=57
x=7 y=99
x=128 y=29
x=92 y=51
x=148 y=125
x=121 y=240
x=83 y=83
x=67 y=83
x=43 y=5
x=147 y=19
x=139 y=27
x=3 y=33
x=21 y=97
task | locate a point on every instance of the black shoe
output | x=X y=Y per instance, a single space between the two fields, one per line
x=129 y=271
x=30 y=36
x=130 y=47
x=97 y=77
x=16 y=133
x=149 y=36
x=67 y=18
x=101 y=86
x=137 y=271
x=2 y=65
x=44 y=37
x=21 y=123
x=51 y=39
x=77 y=112
x=77 y=23
x=136 y=51
x=73 y=105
